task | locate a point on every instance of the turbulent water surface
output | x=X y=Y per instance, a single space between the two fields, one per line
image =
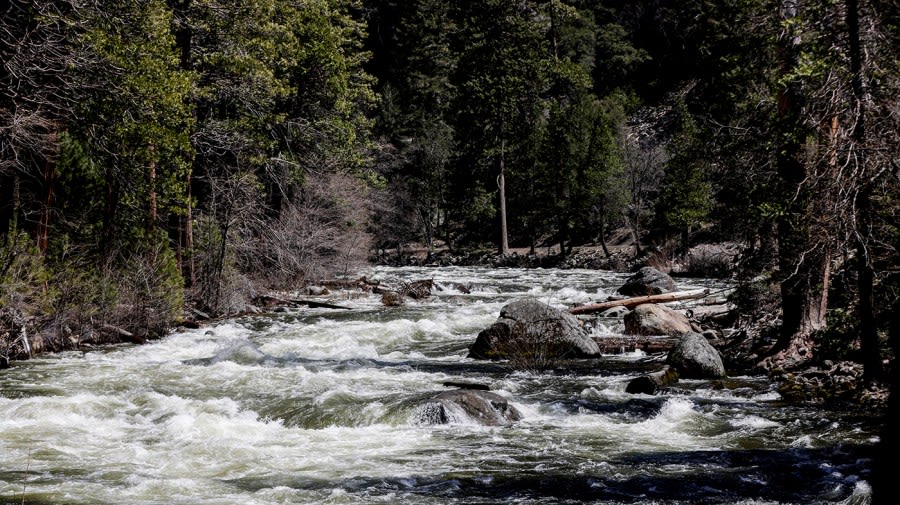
x=321 y=406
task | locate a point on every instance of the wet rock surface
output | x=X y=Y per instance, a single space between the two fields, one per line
x=695 y=358
x=653 y=319
x=468 y=405
x=529 y=327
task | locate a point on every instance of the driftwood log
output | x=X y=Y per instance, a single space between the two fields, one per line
x=639 y=300
x=650 y=345
x=270 y=300
x=652 y=383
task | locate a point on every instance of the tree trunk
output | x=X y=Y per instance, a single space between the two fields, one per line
x=803 y=259
x=186 y=239
x=603 y=239
x=639 y=300
x=501 y=182
x=43 y=228
x=151 y=176
x=183 y=40
x=884 y=479
x=865 y=270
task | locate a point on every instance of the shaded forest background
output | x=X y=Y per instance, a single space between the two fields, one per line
x=163 y=154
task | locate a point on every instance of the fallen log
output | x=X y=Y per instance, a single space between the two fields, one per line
x=362 y=283
x=654 y=382
x=621 y=345
x=270 y=300
x=639 y=300
x=467 y=385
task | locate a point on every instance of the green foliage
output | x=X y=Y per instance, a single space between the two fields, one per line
x=139 y=121
x=685 y=198
x=24 y=276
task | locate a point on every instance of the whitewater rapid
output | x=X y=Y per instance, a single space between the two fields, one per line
x=319 y=406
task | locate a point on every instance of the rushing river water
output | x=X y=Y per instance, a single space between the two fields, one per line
x=320 y=406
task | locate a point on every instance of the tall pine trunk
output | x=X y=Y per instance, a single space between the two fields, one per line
x=804 y=259
x=501 y=182
x=863 y=208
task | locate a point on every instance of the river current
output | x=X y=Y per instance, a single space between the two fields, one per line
x=311 y=406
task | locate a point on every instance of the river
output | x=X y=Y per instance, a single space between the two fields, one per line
x=320 y=406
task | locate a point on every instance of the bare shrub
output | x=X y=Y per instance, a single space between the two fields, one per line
x=221 y=288
x=319 y=235
x=149 y=292
x=662 y=259
x=228 y=224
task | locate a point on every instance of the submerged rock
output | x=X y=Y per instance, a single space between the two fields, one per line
x=695 y=358
x=467 y=405
x=242 y=353
x=647 y=281
x=531 y=329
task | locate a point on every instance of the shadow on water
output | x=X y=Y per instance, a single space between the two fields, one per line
x=796 y=476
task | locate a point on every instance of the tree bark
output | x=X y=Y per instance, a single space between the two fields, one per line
x=501 y=182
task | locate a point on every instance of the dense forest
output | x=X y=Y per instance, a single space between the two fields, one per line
x=163 y=154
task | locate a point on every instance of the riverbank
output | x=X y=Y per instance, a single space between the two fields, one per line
x=740 y=340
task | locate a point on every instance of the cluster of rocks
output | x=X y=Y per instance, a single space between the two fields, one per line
x=530 y=333
x=832 y=383
x=529 y=330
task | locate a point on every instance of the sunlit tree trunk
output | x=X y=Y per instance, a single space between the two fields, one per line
x=501 y=182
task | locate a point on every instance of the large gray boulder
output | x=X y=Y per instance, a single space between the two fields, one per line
x=695 y=358
x=647 y=281
x=653 y=319
x=528 y=327
x=467 y=405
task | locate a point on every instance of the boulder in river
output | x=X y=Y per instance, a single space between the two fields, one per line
x=647 y=281
x=653 y=319
x=695 y=358
x=528 y=327
x=467 y=405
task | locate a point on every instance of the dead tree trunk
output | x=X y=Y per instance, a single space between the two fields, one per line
x=639 y=300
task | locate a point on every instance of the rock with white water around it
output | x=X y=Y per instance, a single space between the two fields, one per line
x=695 y=358
x=647 y=281
x=466 y=406
x=527 y=328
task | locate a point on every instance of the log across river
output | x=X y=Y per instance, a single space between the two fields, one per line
x=315 y=405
